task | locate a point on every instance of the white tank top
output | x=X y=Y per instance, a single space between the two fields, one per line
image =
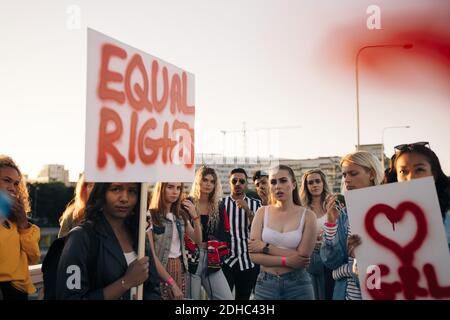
x=284 y=240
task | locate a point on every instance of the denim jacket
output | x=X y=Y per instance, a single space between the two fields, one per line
x=334 y=254
x=162 y=237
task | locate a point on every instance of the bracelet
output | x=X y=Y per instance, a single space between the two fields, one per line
x=197 y=217
x=170 y=281
x=122 y=282
x=283 y=262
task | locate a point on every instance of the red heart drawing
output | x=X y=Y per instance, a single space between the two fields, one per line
x=406 y=253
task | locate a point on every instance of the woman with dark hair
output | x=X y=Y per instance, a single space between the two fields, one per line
x=99 y=259
x=313 y=192
x=282 y=239
x=417 y=160
x=19 y=239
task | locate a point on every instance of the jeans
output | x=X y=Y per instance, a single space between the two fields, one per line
x=242 y=280
x=294 y=285
x=215 y=284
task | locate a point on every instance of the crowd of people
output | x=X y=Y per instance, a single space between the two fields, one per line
x=292 y=241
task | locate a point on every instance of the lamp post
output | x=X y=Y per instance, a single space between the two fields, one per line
x=404 y=46
x=382 y=141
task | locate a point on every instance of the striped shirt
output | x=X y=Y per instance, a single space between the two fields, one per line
x=344 y=271
x=240 y=232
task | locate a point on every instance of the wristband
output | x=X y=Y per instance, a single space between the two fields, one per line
x=197 y=217
x=170 y=281
x=283 y=262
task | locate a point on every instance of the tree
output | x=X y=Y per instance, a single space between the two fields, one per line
x=52 y=199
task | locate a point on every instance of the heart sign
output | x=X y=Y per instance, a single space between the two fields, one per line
x=404 y=253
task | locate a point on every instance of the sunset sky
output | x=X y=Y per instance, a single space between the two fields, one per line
x=270 y=64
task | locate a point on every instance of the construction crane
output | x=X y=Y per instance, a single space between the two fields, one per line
x=244 y=131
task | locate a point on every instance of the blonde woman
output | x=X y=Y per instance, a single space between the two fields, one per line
x=170 y=220
x=19 y=239
x=75 y=210
x=313 y=193
x=206 y=193
x=359 y=170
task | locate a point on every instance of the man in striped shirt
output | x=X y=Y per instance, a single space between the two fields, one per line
x=239 y=270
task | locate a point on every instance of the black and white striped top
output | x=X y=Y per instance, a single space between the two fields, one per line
x=240 y=232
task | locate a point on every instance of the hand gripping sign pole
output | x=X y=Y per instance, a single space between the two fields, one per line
x=142 y=229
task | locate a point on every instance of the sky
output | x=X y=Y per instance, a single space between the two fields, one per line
x=263 y=64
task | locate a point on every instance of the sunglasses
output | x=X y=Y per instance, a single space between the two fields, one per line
x=411 y=146
x=317 y=181
x=241 y=181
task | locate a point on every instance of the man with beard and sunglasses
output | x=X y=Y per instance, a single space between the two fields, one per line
x=239 y=270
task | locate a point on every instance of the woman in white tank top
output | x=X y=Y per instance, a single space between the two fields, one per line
x=282 y=239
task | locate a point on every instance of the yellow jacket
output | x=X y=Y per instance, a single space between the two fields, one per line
x=18 y=249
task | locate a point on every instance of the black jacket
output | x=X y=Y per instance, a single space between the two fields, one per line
x=108 y=266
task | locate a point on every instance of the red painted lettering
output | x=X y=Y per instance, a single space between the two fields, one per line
x=142 y=93
x=105 y=93
x=159 y=104
x=106 y=139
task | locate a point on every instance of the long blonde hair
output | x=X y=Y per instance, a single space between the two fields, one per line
x=76 y=207
x=157 y=204
x=368 y=161
x=22 y=193
x=213 y=197
x=305 y=195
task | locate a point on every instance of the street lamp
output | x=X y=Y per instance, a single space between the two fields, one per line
x=382 y=140
x=404 y=46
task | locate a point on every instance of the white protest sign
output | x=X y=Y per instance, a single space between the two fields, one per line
x=404 y=252
x=139 y=116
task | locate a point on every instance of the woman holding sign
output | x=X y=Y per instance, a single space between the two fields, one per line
x=417 y=160
x=360 y=170
x=170 y=221
x=19 y=239
x=99 y=259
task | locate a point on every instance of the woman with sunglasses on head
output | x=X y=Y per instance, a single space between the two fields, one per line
x=19 y=239
x=417 y=160
x=282 y=239
x=313 y=193
x=206 y=193
x=99 y=259
x=170 y=220
x=360 y=169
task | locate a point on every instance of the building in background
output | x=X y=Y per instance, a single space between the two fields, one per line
x=53 y=173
